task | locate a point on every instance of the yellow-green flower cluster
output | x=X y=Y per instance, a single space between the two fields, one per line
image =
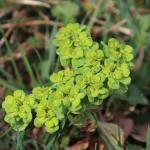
x=91 y=73
x=48 y=110
x=71 y=41
x=117 y=64
x=18 y=110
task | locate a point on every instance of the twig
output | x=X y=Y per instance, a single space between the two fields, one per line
x=116 y=26
x=4 y=12
x=125 y=31
x=95 y=13
x=100 y=22
x=30 y=23
x=30 y=2
x=2 y=40
x=139 y=61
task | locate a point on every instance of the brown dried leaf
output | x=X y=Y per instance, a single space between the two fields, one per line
x=2 y=91
x=30 y=2
x=127 y=124
x=101 y=147
x=139 y=132
x=80 y=145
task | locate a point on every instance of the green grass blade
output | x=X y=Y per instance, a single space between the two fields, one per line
x=35 y=145
x=148 y=139
x=27 y=65
x=52 y=50
x=18 y=75
x=5 y=73
x=6 y=132
x=47 y=65
x=7 y=85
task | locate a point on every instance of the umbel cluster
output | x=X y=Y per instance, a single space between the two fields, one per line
x=91 y=73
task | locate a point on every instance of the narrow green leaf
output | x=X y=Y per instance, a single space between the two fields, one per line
x=47 y=65
x=51 y=142
x=5 y=73
x=18 y=75
x=27 y=65
x=134 y=96
x=6 y=132
x=7 y=85
x=148 y=139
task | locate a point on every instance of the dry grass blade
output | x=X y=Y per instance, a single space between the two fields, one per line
x=139 y=61
x=2 y=40
x=30 y=2
x=125 y=31
x=4 y=11
x=115 y=26
x=31 y=23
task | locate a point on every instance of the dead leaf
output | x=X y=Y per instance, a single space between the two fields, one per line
x=30 y=2
x=2 y=91
x=90 y=126
x=139 y=132
x=101 y=147
x=81 y=145
x=127 y=124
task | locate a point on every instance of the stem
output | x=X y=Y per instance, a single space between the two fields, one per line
x=94 y=15
x=19 y=141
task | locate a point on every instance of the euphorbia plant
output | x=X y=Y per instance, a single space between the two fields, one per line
x=91 y=73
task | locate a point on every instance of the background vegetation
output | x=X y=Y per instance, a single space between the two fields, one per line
x=28 y=57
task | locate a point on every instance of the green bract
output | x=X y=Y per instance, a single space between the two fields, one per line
x=91 y=73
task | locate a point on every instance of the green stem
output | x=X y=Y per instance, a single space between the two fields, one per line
x=19 y=141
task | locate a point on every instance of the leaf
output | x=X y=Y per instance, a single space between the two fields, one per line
x=82 y=120
x=34 y=41
x=2 y=3
x=14 y=64
x=139 y=132
x=113 y=130
x=114 y=142
x=5 y=73
x=6 y=132
x=60 y=11
x=7 y=85
x=134 y=96
x=144 y=22
x=81 y=145
x=141 y=78
x=51 y=142
x=127 y=124
x=126 y=13
x=148 y=139
x=47 y=65
x=133 y=147
x=27 y=65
